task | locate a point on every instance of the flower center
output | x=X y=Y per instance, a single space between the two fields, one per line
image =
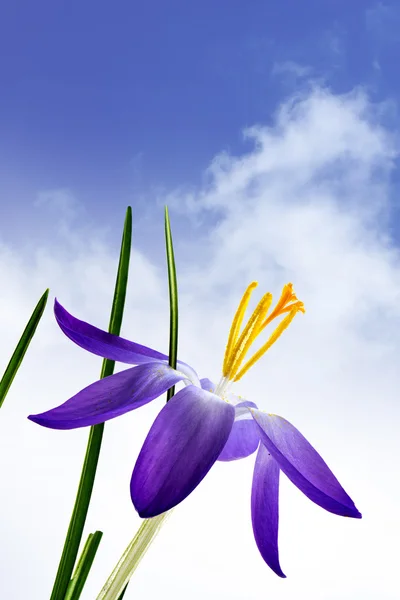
x=239 y=343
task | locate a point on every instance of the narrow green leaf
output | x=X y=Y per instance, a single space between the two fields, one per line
x=22 y=347
x=173 y=300
x=83 y=566
x=77 y=522
x=173 y=311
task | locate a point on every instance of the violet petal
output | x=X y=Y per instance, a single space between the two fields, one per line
x=207 y=385
x=265 y=508
x=244 y=437
x=111 y=346
x=111 y=397
x=303 y=465
x=183 y=443
x=242 y=441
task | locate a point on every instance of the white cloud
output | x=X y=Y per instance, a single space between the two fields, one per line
x=309 y=204
x=291 y=70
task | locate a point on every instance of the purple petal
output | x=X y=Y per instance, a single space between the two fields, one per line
x=241 y=407
x=207 y=385
x=265 y=508
x=184 y=442
x=303 y=465
x=243 y=440
x=102 y=343
x=111 y=346
x=244 y=437
x=111 y=397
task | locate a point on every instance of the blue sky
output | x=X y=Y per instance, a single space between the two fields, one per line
x=272 y=131
x=116 y=102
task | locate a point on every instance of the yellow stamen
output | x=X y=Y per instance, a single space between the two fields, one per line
x=238 y=346
x=282 y=306
x=249 y=334
x=284 y=324
x=237 y=322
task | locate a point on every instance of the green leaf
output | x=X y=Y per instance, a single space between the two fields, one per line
x=22 y=347
x=83 y=566
x=173 y=321
x=85 y=488
x=173 y=300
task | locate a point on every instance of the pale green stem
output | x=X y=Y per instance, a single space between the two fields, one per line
x=130 y=559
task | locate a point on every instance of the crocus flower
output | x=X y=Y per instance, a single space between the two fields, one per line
x=203 y=422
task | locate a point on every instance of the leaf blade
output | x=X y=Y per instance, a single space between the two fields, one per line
x=86 y=482
x=22 y=346
x=173 y=299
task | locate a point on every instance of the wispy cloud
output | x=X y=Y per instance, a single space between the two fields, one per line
x=383 y=21
x=291 y=69
x=61 y=201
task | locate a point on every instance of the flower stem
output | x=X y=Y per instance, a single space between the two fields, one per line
x=130 y=559
x=85 y=488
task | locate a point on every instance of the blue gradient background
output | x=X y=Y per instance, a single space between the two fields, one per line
x=118 y=102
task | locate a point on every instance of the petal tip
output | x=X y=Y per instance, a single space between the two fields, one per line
x=276 y=568
x=34 y=418
x=39 y=419
x=144 y=512
x=149 y=514
x=282 y=575
x=57 y=307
